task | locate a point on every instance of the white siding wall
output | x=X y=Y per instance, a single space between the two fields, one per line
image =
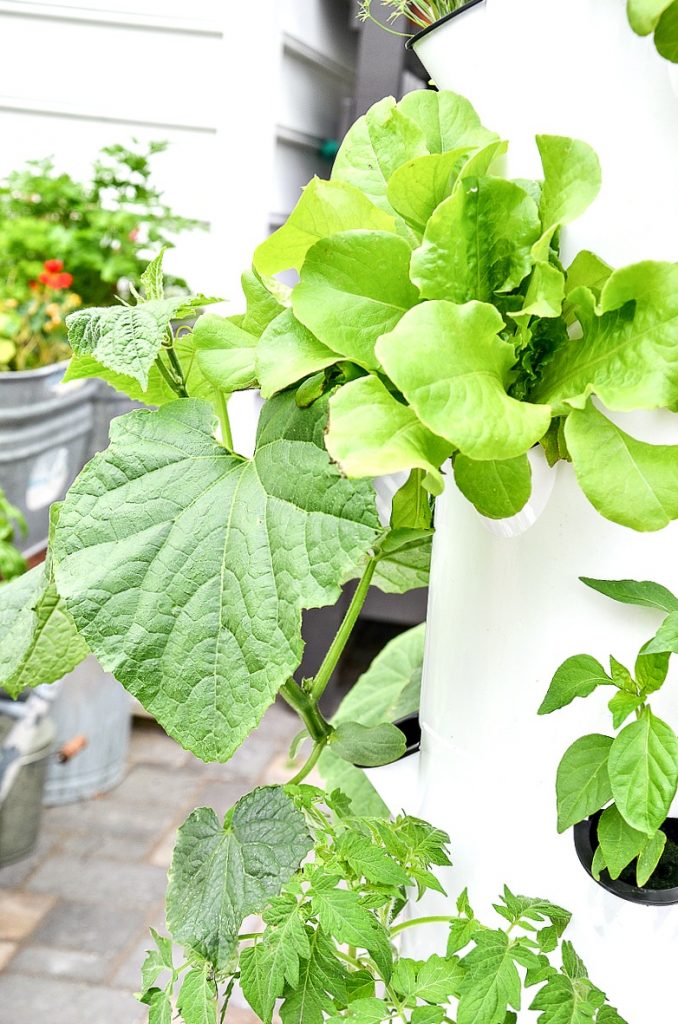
x=243 y=107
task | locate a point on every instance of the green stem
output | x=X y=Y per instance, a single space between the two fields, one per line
x=420 y=920
x=176 y=366
x=305 y=706
x=329 y=664
x=171 y=382
x=222 y=407
x=307 y=768
x=347 y=958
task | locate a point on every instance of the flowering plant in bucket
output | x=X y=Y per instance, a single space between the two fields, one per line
x=633 y=775
x=33 y=329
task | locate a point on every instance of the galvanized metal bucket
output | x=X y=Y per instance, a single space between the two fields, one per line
x=91 y=708
x=21 y=804
x=45 y=434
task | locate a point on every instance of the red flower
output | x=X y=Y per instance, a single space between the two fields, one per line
x=32 y=285
x=54 y=266
x=56 y=281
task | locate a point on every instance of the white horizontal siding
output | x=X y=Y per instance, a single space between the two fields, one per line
x=169 y=15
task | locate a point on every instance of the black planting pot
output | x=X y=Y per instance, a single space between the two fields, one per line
x=585 y=841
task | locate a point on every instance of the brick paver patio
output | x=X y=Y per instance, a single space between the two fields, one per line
x=74 y=918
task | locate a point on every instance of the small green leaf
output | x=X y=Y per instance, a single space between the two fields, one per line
x=439 y=979
x=388 y=691
x=572 y=179
x=374 y=147
x=354 y=287
x=125 y=339
x=579 y=676
x=453 y=369
x=404 y=561
x=197 y=999
x=342 y=915
x=644 y=14
x=321 y=985
x=478 y=242
x=649 y=857
x=498 y=490
x=491 y=984
x=368 y=746
x=371 y=861
x=628 y=481
x=325 y=207
x=447 y=120
x=266 y=299
x=371 y=433
x=626 y=355
x=582 y=783
x=665 y=640
x=40 y=641
x=225 y=353
x=152 y=279
x=643 y=593
x=412 y=504
x=643 y=767
x=287 y=352
x=151 y=969
x=666 y=33
x=619 y=842
x=222 y=873
x=160 y=1006
x=597 y=864
x=418 y=187
x=274 y=962
x=651 y=671
x=622 y=705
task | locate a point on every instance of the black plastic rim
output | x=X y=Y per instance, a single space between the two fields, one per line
x=412 y=729
x=441 y=21
x=585 y=843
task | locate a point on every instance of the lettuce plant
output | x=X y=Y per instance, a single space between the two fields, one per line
x=634 y=774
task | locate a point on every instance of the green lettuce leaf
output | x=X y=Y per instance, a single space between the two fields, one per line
x=325 y=207
x=287 y=352
x=354 y=287
x=478 y=242
x=447 y=120
x=225 y=353
x=628 y=354
x=371 y=433
x=628 y=481
x=376 y=145
x=453 y=369
x=498 y=490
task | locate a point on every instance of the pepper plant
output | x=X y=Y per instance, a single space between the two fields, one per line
x=634 y=774
x=432 y=320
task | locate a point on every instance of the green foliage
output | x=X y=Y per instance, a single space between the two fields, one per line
x=325 y=950
x=420 y=13
x=98 y=232
x=659 y=17
x=40 y=642
x=12 y=524
x=633 y=775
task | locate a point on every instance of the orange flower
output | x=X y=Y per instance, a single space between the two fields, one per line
x=53 y=266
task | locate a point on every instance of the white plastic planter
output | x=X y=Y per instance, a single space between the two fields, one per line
x=505 y=604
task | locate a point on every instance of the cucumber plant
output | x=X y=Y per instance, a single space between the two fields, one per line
x=633 y=775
